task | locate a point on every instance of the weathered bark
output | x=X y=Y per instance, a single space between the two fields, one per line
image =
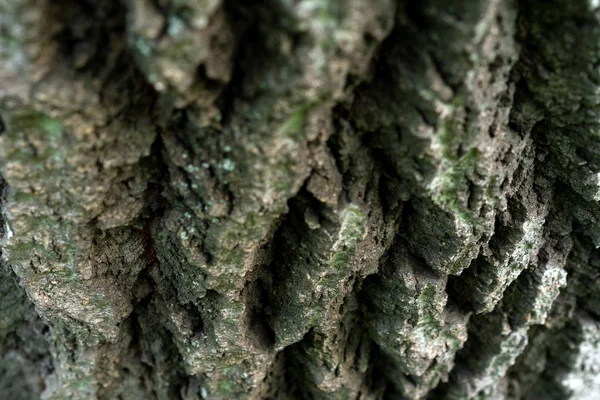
x=303 y=199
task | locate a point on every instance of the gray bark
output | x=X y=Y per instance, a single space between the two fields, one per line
x=299 y=199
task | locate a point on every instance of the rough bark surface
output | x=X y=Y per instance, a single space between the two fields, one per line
x=299 y=199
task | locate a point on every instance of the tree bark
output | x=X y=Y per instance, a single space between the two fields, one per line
x=299 y=199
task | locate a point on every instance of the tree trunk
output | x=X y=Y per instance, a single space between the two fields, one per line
x=299 y=199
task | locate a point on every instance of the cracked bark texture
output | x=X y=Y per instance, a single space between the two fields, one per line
x=299 y=199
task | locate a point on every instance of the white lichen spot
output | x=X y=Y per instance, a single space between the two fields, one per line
x=510 y=348
x=8 y=232
x=175 y=26
x=228 y=165
x=553 y=279
x=583 y=380
x=596 y=182
x=143 y=46
x=352 y=229
x=159 y=86
x=351 y=233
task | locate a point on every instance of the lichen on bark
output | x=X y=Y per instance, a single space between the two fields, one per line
x=309 y=199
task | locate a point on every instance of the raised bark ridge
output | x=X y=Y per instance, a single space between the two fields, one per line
x=305 y=199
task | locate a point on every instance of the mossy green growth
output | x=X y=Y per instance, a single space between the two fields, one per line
x=295 y=124
x=429 y=328
x=463 y=260
x=27 y=130
x=34 y=233
x=451 y=132
x=284 y=178
x=230 y=383
x=350 y=234
x=36 y=123
x=22 y=251
x=8 y=47
x=446 y=186
x=454 y=169
x=427 y=297
x=329 y=17
x=182 y=51
x=491 y=190
x=453 y=340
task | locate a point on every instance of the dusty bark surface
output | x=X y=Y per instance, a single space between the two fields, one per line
x=299 y=199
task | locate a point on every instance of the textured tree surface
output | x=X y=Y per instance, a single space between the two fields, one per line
x=299 y=199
